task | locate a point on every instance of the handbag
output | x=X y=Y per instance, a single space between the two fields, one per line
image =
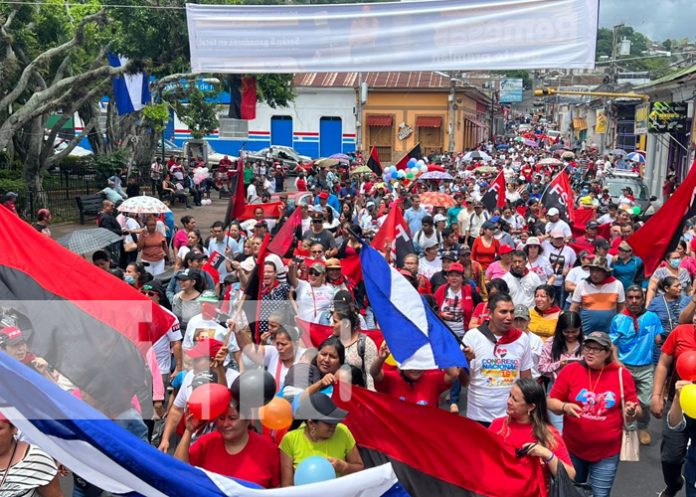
x=563 y=486
x=129 y=245
x=630 y=447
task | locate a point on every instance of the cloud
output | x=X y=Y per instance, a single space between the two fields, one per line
x=673 y=19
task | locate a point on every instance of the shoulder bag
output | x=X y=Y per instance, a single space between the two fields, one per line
x=630 y=448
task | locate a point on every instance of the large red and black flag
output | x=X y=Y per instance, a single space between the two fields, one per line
x=661 y=233
x=384 y=429
x=394 y=237
x=374 y=163
x=495 y=195
x=253 y=292
x=414 y=153
x=559 y=194
x=236 y=207
x=86 y=323
x=282 y=241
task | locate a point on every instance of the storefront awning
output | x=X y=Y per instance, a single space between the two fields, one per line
x=428 y=122
x=478 y=124
x=380 y=120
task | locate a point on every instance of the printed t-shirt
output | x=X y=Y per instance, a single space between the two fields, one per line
x=596 y=434
x=493 y=371
x=258 y=461
x=425 y=392
x=312 y=301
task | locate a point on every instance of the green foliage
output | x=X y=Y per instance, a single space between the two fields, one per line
x=106 y=165
x=197 y=113
x=156 y=116
x=275 y=89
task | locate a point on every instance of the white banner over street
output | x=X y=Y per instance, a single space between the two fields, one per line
x=401 y=36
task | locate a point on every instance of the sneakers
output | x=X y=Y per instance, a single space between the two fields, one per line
x=666 y=493
x=644 y=437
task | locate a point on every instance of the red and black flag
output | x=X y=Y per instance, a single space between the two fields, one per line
x=242 y=97
x=254 y=289
x=383 y=428
x=414 y=153
x=374 y=163
x=237 y=205
x=394 y=237
x=83 y=321
x=282 y=241
x=495 y=195
x=661 y=233
x=559 y=194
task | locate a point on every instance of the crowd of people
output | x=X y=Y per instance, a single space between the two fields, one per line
x=568 y=340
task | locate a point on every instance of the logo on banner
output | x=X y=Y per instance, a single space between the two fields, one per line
x=561 y=193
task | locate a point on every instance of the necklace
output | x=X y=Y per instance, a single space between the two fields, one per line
x=589 y=379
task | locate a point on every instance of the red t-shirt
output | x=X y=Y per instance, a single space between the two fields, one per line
x=481 y=312
x=425 y=392
x=596 y=434
x=258 y=462
x=681 y=339
x=518 y=434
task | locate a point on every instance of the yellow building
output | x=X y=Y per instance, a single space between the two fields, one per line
x=404 y=109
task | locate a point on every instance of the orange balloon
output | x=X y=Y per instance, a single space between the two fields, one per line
x=277 y=414
x=390 y=360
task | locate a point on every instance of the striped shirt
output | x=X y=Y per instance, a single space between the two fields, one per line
x=36 y=470
x=598 y=303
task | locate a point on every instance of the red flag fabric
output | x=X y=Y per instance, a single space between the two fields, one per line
x=248 y=104
x=270 y=210
x=559 y=194
x=582 y=217
x=238 y=208
x=374 y=163
x=414 y=153
x=82 y=320
x=387 y=425
x=317 y=333
x=282 y=241
x=254 y=288
x=351 y=268
x=495 y=195
x=394 y=237
x=660 y=234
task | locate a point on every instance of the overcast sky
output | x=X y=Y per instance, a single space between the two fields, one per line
x=657 y=19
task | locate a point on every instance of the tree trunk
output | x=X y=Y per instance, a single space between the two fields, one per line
x=32 y=165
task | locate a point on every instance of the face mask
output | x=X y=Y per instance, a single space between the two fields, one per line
x=674 y=263
x=129 y=279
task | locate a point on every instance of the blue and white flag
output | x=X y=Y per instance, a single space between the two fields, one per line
x=416 y=337
x=131 y=91
x=111 y=458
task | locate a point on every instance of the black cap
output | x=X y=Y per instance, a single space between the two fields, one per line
x=320 y=407
x=600 y=337
x=188 y=274
x=450 y=256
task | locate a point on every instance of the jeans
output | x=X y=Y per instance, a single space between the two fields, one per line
x=455 y=391
x=672 y=454
x=690 y=489
x=600 y=475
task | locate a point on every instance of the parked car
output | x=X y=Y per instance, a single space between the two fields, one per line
x=203 y=148
x=170 y=148
x=616 y=181
x=291 y=161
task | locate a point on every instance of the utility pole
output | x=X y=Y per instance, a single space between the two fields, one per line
x=615 y=39
x=358 y=116
x=451 y=101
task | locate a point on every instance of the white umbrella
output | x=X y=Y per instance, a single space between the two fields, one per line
x=477 y=155
x=143 y=205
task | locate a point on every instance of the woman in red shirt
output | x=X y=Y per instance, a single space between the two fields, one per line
x=233 y=449
x=485 y=247
x=588 y=395
x=527 y=426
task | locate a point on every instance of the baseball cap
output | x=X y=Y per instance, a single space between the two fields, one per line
x=455 y=267
x=553 y=212
x=333 y=263
x=195 y=255
x=208 y=296
x=318 y=266
x=557 y=233
x=320 y=407
x=505 y=249
x=188 y=274
x=323 y=195
x=11 y=335
x=600 y=337
x=592 y=225
x=439 y=218
x=429 y=243
x=153 y=286
x=625 y=246
x=450 y=256
x=521 y=311
x=208 y=347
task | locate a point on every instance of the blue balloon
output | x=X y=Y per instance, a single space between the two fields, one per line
x=394 y=175
x=412 y=162
x=401 y=174
x=314 y=469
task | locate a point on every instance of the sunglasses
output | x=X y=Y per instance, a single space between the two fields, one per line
x=149 y=293
x=317 y=221
x=314 y=272
x=590 y=348
x=625 y=250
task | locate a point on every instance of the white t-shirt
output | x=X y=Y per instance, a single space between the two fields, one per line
x=537 y=345
x=212 y=328
x=273 y=364
x=493 y=371
x=559 y=225
x=565 y=256
x=162 y=347
x=575 y=275
x=313 y=301
x=186 y=386
x=251 y=193
x=522 y=289
x=429 y=268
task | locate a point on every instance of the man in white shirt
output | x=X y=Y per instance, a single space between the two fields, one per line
x=521 y=281
x=252 y=193
x=555 y=223
x=204 y=325
x=561 y=257
x=501 y=355
x=474 y=223
x=430 y=263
